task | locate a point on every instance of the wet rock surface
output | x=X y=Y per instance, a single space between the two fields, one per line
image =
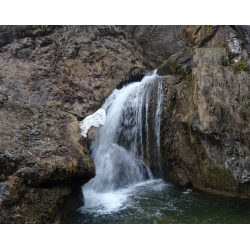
x=51 y=77
x=92 y=134
x=205 y=120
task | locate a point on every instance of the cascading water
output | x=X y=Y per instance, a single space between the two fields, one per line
x=121 y=149
x=125 y=151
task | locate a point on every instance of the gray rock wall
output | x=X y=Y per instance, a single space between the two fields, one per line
x=205 y=126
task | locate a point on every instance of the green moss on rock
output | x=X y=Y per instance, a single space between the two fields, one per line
x=239 y=66
x=169 y=67
x=224 y=46
x=170 y=107
x=215 y=177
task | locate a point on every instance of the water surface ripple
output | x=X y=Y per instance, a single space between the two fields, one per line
x=155 y=201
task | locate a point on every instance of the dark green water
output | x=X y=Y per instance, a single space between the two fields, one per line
x=155 y=201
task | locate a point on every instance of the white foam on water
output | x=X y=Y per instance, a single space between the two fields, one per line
x=104 y=203
x=114 y=201
x=120 y=148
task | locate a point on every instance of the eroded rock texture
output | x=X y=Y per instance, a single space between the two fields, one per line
x=205 y=123
x=51 y=77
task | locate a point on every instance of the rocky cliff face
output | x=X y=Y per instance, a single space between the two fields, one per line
x=50 y=76
x=205 y=124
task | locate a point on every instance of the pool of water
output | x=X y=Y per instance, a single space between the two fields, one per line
x=155 y=201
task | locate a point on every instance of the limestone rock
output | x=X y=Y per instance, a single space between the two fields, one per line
x=92 y=134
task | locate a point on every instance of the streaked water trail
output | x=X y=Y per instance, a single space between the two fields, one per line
x=118 y=151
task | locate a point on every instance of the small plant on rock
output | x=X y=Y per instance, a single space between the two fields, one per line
x=239 y=66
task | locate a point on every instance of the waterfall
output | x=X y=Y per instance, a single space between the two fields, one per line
x=129 y=144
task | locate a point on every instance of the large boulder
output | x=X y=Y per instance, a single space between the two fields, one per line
x=42 y=158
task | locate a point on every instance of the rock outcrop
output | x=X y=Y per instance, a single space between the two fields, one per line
x=42 y=157
x=51 y=77
x=205 y=122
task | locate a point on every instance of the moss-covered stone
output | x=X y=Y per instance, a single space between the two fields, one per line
x=224 y=46
x=170 y=67
x=239 y=66
x=170 y=107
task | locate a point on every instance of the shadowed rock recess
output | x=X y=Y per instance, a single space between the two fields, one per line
x=52 y=77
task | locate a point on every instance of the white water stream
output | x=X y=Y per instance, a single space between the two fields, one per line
x=126 y=150
x=126 y=147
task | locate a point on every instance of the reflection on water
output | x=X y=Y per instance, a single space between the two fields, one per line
x=155 y=201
